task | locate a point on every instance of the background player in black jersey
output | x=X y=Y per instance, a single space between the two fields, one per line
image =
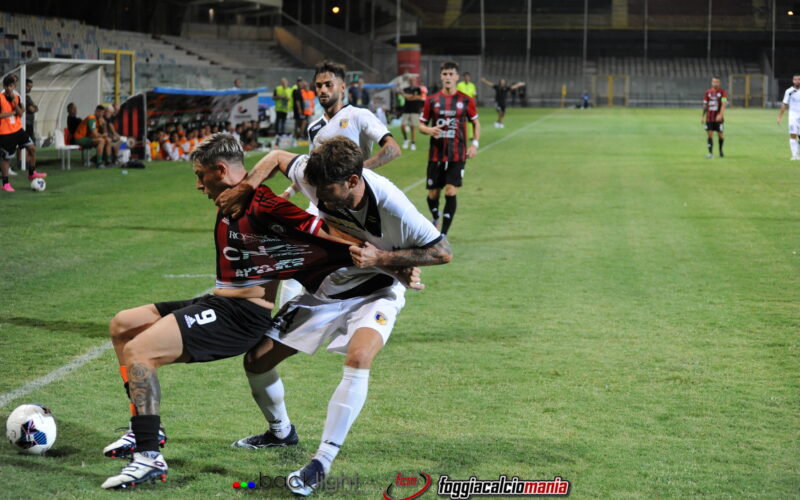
x=232 y=320
x=448 y=111
x=501 y=91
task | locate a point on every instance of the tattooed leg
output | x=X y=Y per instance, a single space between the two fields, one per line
x=145 y=389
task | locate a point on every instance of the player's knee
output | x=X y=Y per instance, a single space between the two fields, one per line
x=120 y=325
x=360 y=357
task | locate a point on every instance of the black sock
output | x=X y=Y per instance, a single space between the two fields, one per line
x=145 y=427
x=5 y=180
x=721 y=142
x=449 y=212
x=31 y=170
x=710 y=145
x=433 y=204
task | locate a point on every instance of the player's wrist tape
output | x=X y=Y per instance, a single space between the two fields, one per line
x=475 y=143
x=291 y=191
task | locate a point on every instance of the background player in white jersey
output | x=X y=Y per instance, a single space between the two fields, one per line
x=356 y=307
x=791 y=100
x=340 y=119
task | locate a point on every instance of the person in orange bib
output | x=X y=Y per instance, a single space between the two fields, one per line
x=88 y=134
x=12 y=136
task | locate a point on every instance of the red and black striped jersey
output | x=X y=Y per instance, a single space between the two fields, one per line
x=712 y=100
x=450 y=112
x=274 y=240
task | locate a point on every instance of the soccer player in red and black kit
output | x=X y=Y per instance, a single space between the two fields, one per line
x=715 y=101
x=274 y=240
x=448 y=110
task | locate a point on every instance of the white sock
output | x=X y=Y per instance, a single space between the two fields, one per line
x=267 y=389
x=289 y=290
x=344 y=407
x=794 y=145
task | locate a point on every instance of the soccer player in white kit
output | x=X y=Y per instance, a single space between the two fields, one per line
x=354 y=307
x=339 y=119
x=791 y=100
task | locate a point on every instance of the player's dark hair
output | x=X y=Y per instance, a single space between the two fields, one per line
x=449 y=65
x=336 y=69
x=28 y=80
x=9 y=79
x=100 y=107
x=219 y=146
x=334 y=161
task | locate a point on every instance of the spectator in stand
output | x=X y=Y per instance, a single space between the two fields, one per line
x=88 y=134
x=357 y=94
x=237 y=84
x=283 y=100
x=72 y=120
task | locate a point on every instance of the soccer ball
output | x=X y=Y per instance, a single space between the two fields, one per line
x=38 y=184
x=31 y=429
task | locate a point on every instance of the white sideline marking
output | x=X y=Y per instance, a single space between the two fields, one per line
x=492 y=144
x=60 y=373
x=54 y=375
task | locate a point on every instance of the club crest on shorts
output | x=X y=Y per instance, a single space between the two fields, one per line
x=344 y=122
x=380 y=318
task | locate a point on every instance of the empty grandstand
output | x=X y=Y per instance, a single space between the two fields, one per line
x=663 y=51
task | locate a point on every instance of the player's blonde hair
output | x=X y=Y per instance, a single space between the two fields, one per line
x=219 y=146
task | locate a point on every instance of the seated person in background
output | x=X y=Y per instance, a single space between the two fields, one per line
x=155 y=145
x=88 y=134
x=169 y=146
x=72 y=121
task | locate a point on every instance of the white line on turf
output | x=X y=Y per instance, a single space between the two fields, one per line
x=60 y=373
x=492 y=144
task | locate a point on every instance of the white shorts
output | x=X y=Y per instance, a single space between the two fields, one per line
x=307 y=322
x=794 y=125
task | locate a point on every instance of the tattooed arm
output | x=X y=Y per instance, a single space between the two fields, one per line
x=368 y=255
x=388 y=152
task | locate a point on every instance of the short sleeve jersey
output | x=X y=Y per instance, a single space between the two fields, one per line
x=274 y=240
x=451 y=113
x=792 y=100
x=713 y=102
x=357 y=124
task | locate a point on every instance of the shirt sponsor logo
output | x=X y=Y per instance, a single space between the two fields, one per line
x=343 y=123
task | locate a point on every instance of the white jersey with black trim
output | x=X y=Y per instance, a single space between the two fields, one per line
x=359 y=125
x=792 y=100
x=388 y=220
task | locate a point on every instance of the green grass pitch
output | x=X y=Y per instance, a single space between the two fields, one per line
x=620 y=312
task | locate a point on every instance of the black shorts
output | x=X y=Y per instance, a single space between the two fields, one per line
x=715 y=126
x=215 y=327
x=441 y=173
x=10 y=142
x=501 y=107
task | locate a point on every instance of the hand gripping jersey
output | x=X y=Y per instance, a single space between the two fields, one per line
x=713 y=99
x=450 y=112
x=274 y=240
x=387 y=219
